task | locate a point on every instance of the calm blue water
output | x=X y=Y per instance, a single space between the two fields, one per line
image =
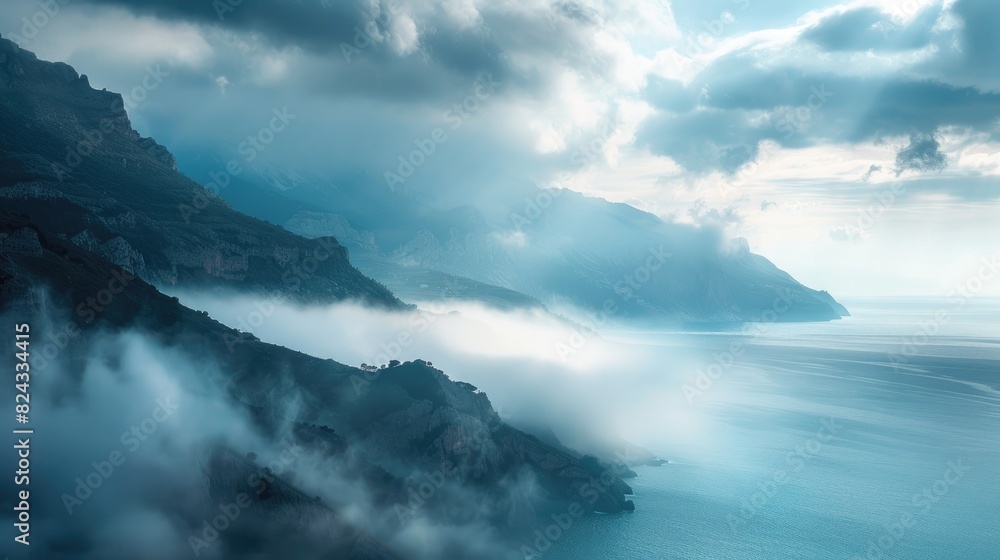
x=762 y=482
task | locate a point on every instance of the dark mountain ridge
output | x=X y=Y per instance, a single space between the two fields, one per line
x=409 y=418
x=552 y=246
x=70 y=159
x=84 y=241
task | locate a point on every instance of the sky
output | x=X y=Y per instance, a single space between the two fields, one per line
x=855 y=144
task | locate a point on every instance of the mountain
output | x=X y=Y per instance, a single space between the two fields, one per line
x=83 y=244
x=381 y=425
x=554 y=246
x=70 y=160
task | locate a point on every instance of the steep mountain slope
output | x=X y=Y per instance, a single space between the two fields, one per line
x=70 y=159
x=408 y=418
x=555 y=246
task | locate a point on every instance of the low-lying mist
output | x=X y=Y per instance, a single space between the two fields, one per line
x=540 y=371
x=128 y=436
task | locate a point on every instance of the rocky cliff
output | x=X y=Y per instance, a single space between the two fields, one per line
x=70 y=159
x=389 y=430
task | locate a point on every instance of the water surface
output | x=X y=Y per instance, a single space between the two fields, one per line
x=877 y=436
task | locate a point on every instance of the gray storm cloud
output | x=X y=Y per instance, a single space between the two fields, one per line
x=408 y=63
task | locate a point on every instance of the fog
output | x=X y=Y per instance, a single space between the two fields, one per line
x=128 y=432
x=539 y=370
x=127 y=435
x=118 y=435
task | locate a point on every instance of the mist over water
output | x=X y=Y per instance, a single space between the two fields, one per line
x=877 y=436
x=908 y=470
x=537 y=370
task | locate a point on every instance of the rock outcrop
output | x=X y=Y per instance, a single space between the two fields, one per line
x=389 y=429
x=70 y=159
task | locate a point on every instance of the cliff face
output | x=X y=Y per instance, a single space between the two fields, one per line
x=590 y=251
x=388 y=430
x=457 y=423
x=525 y=246
x=92 y=216
x=70 y=160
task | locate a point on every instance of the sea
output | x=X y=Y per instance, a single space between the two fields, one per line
x=873 y=437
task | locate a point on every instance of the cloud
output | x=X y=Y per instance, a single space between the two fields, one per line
x=872 y=169
x=376 y=76
x=374 y=46
x=130 y=421
x=141 y=427
x=849 y=234
x=979 y=43
x=855 y=75
x=316 y=25
x=869 y=28
x=811 y=79
x=922 y=154
x=799 y=107
x=516 y=357
x=705 y=216
x=135 y=40
x=671 y=95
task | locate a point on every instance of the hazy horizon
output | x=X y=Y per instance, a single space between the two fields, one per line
x=501 y=279
x=852 y=143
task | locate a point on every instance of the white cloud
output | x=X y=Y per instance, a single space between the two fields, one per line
x=403 y=35
x=849 y=234
x=568 y=77
x=136 y=40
